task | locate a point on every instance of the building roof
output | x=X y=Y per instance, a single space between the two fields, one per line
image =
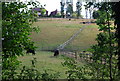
x=36 y=9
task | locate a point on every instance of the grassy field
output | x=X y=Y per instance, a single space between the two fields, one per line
x=45 y=61
x=56 y=31
x=85 y=39
x=53 y=33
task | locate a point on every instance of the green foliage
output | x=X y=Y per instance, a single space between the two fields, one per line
x=16 y=26
x=58 y=15
x=31 y=73
x=102 y=19
x=70 y=9
x=49 y=77
x=10 y=66
x=95 y=14
x=79 y=7
x=89 y=6
x=76 y=71
x=74 y=15
x=104 y=51
x=116 y=16
x=43 y=11
x=62 y=9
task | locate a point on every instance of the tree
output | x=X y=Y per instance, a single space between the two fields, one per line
x=95 y=14
x=86 y=10
x=78 y=6
x=16 y=26
x=43 y=11
x=69 y=9
x=62 y=8
x=106 y=47
x=89 y=6
x=116 y=16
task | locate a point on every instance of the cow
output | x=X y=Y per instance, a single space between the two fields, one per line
x=30 y=51
x=69 y=19
x=84 y=22
x=56 y=52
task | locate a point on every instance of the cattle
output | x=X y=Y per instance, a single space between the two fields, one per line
x=84 y=51
x=69 y=19
x=30 y=51
x=84 y=22
x=56 y=52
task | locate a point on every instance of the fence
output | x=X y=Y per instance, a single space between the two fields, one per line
x=78 y=55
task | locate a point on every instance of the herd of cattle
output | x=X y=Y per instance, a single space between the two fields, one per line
x=70 y=54
x=32 y=51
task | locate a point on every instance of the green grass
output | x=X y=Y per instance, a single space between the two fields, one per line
x=84 y=40
x=55 y=32
x=45 y=61
x=52 y=34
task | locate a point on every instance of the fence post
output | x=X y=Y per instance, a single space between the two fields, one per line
x=75 y=54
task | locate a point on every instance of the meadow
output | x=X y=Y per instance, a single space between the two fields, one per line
x=56 y=31
x=53 y=33
x=45 y=61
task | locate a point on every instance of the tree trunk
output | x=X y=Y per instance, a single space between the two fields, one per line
x=116 y=8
